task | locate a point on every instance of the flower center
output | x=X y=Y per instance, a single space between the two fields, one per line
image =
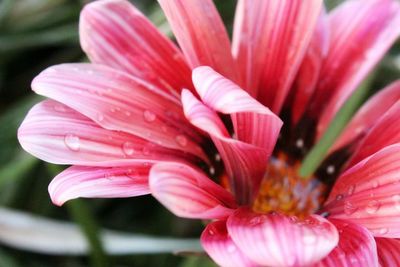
x=283 y=190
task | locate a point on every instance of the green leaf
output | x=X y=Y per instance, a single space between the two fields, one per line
x=198 y=261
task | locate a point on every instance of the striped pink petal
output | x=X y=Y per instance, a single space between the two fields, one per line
x=115 y=33
x=220 y=247
x=278 y=240
x=91 y=182
x=368 y=115
x=201 y=34
x=361 y=33
x=356 y=247
x=256 y=127
x=188 y=193
x=388 y=251
x=120 y=102
x=57 y=134
x=385 y=132
x=308 y=75
x=269 y=41
x=368 y=193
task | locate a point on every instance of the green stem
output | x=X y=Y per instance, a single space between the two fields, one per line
x=83 y=216
x=317 y=154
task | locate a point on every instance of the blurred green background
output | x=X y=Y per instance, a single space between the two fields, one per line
x=35 y=34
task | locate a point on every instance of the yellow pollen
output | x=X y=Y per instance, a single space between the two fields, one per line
x=283 y=190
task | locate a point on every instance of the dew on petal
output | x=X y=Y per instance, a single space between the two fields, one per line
x=372 y=207
x=330 y=169
x=149 y=116
x=211 y=232
x=100 y=117
x=128 y=148
x=339 y=197
x=72 y=142
x=132 y=173
x=146 y=151
x=351 y=190
x=396 y=201
x=59 y=108
x=109 y=176
x=349 y=208
x=181 y=140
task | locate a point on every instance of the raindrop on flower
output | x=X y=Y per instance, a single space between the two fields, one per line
x=299 y=143
x=72 y=142
x=211 y=232
x=132 y=173
x=127 y=113
x=146 y=151
x=349 y=208
x=100 y=117
x=128 y=148
x=351 y=189
x=330 y=169
x=149 y=116
x=339 y=197
x=396 y=201
x=372 y=206
x=217 y=157
x=109 y=176
x=212 y=170
x=59 y=108
x=383 y=231
x=181 y=140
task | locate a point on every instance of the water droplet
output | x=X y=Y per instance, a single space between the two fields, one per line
x=112 y=110
x=100 y=117
x=109 y=176
x=211 y=232
x=257 y=220
x=181 y=140
x=146 y=151
x=72 y=142
x=128 y=148
x=59 y=108
x=349 y=208
x=231 y=248
x=330 y=169
x=217 y=157
x=351 y=189
x=299 y=143
x=127 y=113
x=396 y=200
x=372 y=206
x=212 y=170
x=132 y=173
x=309 y=239
x=375 y=184
x=164 y=128
x=339 y=197
x=383 y=231
x=149 y=116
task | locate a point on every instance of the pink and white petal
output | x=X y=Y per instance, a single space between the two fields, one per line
x=189 y=193
x=361 y=33
x=244 y=163
x=120 y=102
x=388 y=251
x=253 y=123
x=308 y=75
x=278 y=240
x=92 y=182
x=356 y=247
x=367 y=115
x=57 y=134
x=269 y=42
x=220 y=247
x=368 y=193
x=385 y=132
x=201 y=34
x=116 y=34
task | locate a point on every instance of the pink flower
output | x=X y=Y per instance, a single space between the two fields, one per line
x=146 y=117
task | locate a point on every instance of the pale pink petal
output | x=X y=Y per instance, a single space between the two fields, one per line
x=278 y=240
x=120 y=102
x=308 y=75
x=385 y=132
x=201 y=34
x=91 y=182
x=220 y=247
x=269 y=41
x=368 y=193
x=188 y=192
x=388 y=251
x=356 y=247
x=361 y=33
x=116 y=34
x=57 y=134
x=244 y=163
x=368 y=115
x=253 y=123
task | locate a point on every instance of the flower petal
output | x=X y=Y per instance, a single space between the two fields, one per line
x=201 y=34
x=385 y=132
x=356 y=247
x=269 y=41
x=388 y=251
x=120 y=102
x=188 y=193
x=367 y=115
x=116 y=34
x=57 y=134
x=308 y=75
x=244 y=163
x=91 y=182
x=279 y=240
x=361 y=33
x=221 y=248
x=368 y=193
